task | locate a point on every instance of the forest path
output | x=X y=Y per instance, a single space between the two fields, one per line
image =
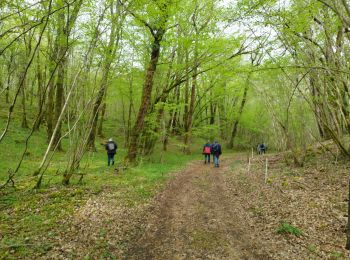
x=196 y=216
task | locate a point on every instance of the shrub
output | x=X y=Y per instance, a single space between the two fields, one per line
x=287 y=228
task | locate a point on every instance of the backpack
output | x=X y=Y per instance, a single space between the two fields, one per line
x=215 y=148
x=207 y=149
x=111 y=146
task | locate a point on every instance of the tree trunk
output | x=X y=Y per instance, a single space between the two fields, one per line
x=59 y=103
x=189 y=119
x=212 y=112
x=100 y=126
x=150 y=142
x=222 y=119
x=40 y=96
x=7 y=95
x=158 y=105
x=94 y=115
x=189 y=115
x=235 y=125
x=146 y=98
x=24 y=111
x=174 y=125
x=9 y=73
x=50 y=107
x=128 y=132
x=97 y=105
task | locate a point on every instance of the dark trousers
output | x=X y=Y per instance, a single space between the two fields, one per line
x=110 y=158
x=207 y=157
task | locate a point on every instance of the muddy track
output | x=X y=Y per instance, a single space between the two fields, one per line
x=196 y=216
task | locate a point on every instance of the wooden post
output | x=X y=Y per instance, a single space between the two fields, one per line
x=252 y=153
x=248 y=165
x=266 y=166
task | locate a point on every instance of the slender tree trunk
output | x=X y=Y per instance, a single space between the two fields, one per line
x=24 y=111
x=222 y=118
x=189 y=121
x=213 y=107
x=189 y=115
x=174 y=126
x=318 y=114
x=9 y=73
x=7 y=95
x=100 y=126
x=40 y=96
x=50 y=107
x=235 y=125
x=186 y=97
x=150 y=142
x=94 y=115
x=31 y=94
x=96 y=108
x=59 y=103
x=128 y=132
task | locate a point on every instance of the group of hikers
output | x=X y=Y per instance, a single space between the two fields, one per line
x=208 y=150
x=214 y=150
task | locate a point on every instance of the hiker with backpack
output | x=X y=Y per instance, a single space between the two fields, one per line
x=216 y=152
x=261 y=148
x=111 y=148
x=207 y=152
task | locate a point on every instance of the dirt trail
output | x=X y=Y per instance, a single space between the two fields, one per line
x=196 y=217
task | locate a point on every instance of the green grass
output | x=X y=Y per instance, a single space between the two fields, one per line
x=287 y=228
x=336 y=255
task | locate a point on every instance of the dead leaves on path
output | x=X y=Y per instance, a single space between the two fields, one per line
x=102 y=228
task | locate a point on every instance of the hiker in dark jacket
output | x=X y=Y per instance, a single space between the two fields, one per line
x=262 y=148
x=207 y=152
x=216 y=152
x=111 y=148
